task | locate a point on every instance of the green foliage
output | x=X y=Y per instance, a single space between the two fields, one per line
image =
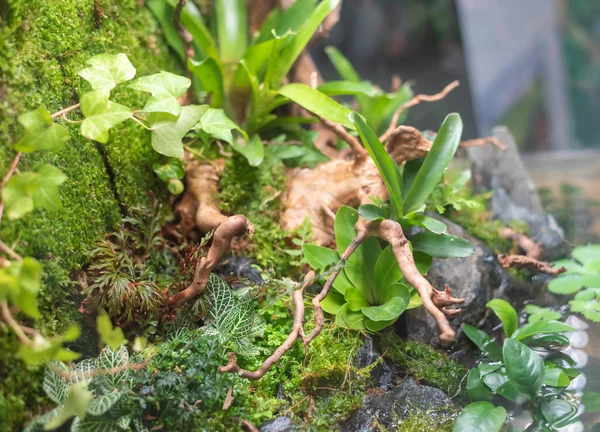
x=168 y=132
x=106 y=71
x=518 y=371
x=424 y=363
x=368 y=291
x=165 y=88
x=480 y=417
x=41 y=133
x=171 y=173
x=377 y=107
x=109 y=336
x=582 y=278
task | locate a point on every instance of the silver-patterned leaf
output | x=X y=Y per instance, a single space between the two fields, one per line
x=55 y=385
x=123 y=422
x=94 y=424
x=100 y=405
x=84 y=371
x=112 y=359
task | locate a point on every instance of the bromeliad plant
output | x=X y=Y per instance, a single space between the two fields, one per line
x=517 y=373
x=582 y=278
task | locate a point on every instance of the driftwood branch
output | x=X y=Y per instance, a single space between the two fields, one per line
x=298 y=298
x=360 y=153
x=531 y=248
x=525 y=262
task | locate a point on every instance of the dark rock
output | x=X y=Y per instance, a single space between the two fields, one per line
x=384 y=373
x=514 y=194
x=477 y=278
x=278 y=424
x=238 y=269
x=401 y=401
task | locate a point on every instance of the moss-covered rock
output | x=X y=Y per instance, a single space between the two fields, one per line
x=43 y=44
x=424 y=363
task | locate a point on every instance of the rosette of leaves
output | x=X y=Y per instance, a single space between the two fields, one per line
x=370 y=292
x=582 y=278
x=94 y=391
x=517 y=373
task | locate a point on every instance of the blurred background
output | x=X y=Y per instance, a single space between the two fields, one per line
x=532 y=65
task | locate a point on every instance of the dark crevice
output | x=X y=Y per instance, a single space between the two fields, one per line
x=111 y=178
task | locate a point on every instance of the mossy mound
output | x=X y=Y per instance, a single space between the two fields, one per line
x=43 y=44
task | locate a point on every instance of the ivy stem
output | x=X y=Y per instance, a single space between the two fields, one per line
x=8 y=319
x=64 y=111
x=64 y=117
x=134 y=118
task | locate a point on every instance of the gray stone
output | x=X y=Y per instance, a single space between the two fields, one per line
x=384 y=373
x=514 y=194
x=278 y=424
x=389 y=408
x=477 y=278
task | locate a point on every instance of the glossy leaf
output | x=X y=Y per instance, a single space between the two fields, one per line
x=297 y=44
x=232 y=29
x=387 y=167
x=386 y=270
x=506 y=313
x=209 y=74
x=355 y=299
x=441 y=246
x=253 y=150
x=483 y=341
x=476 y=388
x=168 y=131
x=203 y=40
x=376 y=326
x=390 y=310
x=41 y=132
x=524 y=368
x=427 y=222
x=566 y=284
x=559 y=413
x=164 y=15
x=165 y=88
x=317 y=103
x=342 y=65
x=320 y=257
x=101 y=115
x=555 y=377
x=586 y=254
x=348 y=319
x=339 y=88
x=106 y=71
x=333 y=302
x=372 y=212
x=539 y=327
x=480 y=417
x=437 y=160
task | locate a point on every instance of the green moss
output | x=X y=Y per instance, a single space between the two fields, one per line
x=426 y=421
x=424 y=363
x=255 y=192
x=321 y=385
x=43 y=44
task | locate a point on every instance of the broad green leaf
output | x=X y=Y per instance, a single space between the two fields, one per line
x=41 y=132
x=590 y=309
x=295 y=16
x=432 y=224
x=422 y=261
x=106 y=71
x=537 y=313
x=203 y=40
x=332 y=302
x=110 y=359
x=348 y=319
x=495 y=380
x=338 y=88
x=559 y=413
x=524 y=368
x=112 y=337
x=168 y=131
x=44 y=350
x=386 y=270
x=165 y=88
x=506 y=313
x=386 y=166
x=253 y=150
x=480 y=417
x=376 y=326
x=172 y=170
x=75 y=406
x=441 y=246
x=355 y=299
x=46 y=195
x=587 y=294
x=476 y=389
x=317 y=103
x=586 y=254
x=232 y=29
x=555 y=377
x=288 y=55
x=372 y=212
x=539 y=327
x=164 y=15
x=342 y=64
x=390 y=310
x=437 y=160
x=566 y=284
x=591 y=280
x=547 y=341
x=209 y=74
x=484 y=342
x=101 y=115
x=319 y=257
x=55 y=386
x=216 y=124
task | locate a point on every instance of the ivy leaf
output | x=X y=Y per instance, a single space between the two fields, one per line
x=46 y=195
x=168 y=131
x=112 y=337
x=216 y=124
x=165 y=88
x=41 y=132
x=101 y=115
x=75 y=406
x=106 y=71
x=43 y=350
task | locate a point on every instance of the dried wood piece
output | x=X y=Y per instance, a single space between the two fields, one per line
x=526 y=262
x=531 y=248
